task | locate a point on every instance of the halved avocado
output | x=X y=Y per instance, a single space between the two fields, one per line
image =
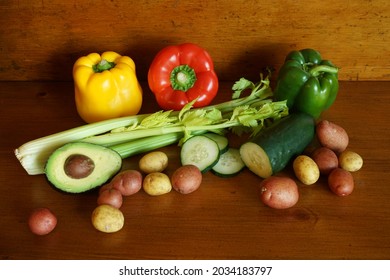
x=78 y=167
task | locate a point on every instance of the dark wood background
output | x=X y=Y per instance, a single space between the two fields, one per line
x=40 y=40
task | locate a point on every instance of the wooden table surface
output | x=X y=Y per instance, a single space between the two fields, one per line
x=224 y=219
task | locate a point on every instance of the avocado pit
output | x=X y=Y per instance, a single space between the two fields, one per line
x=78 y=166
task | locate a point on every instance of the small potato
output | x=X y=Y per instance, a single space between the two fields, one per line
x=128 y=182
x=155 y=161
x=350 y=161
x=108 y=219
x=332 y=136
x=111 y=197
x=186 y=179
x=306 y=170
x=325 y=159
x=279 y=192
x=157 y=183
x=42 y=221
x=341 y=182
x=105 y=187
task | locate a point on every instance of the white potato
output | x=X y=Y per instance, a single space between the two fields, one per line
x=157 y=183
x=350 y=161
x=155 y=161
x=107 y=218
x=306 y=170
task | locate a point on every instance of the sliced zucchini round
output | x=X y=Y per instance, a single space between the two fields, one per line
x=222 y=141
x=229 y=163
x=200 y=151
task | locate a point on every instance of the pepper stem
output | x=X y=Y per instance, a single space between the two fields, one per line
x=183 y=77
x=316 y=70
x=103 y=65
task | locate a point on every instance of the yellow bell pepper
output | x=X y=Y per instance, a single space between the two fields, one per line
x=106 y=87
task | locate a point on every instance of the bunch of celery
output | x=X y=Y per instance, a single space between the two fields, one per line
x=142 y=133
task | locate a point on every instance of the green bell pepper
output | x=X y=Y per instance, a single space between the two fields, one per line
x=308 y=83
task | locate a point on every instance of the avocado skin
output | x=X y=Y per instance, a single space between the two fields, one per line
x=107 y=163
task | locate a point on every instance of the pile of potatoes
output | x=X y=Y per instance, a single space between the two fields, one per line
x=107 y=216
x=186 y=179
x=331 y=158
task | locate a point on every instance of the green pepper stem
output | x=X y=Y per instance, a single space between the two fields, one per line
x=103 y=65
x=316 y=70
x=183 y=77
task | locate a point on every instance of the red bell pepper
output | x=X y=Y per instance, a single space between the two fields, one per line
x=181 y=73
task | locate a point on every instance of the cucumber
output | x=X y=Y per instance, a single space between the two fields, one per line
x=229 y=164
x=222 y=141
x=271 y=150
x=200 y=151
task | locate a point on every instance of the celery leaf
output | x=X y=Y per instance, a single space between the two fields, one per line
x=240 y=86
x=158 y=119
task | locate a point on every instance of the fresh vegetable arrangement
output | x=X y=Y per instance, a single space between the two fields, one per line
x=138 y=134
x=180 y=74
x=106 y=87
x=280 y=126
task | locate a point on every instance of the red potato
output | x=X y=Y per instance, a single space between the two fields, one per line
x=42 y=221
x=105 y=187
x=111 y=197
x=128 y=182
x=279 y=192
x=332 y=136
x=325 y=159
x=341 y=182
x=186 y=179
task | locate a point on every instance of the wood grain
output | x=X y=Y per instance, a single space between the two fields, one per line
x=40 y=40
x=224 y=219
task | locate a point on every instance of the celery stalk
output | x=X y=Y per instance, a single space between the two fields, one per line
x=147 y=144
x=202 y=123
x=34 y=154
x=139 y=135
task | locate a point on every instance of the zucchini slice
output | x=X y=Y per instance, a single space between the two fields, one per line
x=200 y=151
x=229 y=164
x=271 y=150
x=222 y=141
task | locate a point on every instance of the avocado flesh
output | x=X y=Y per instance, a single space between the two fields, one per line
x=107 y=163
